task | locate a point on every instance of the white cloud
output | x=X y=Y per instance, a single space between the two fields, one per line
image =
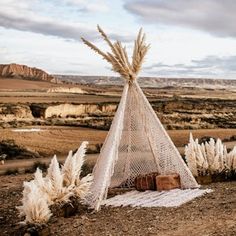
x=214 y=16
x=21 y=15
x=210 y=67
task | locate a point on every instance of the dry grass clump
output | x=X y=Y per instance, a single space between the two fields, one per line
x=57 y=187
x=118 y=57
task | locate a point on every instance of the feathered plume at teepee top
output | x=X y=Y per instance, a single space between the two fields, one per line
x=118 y=56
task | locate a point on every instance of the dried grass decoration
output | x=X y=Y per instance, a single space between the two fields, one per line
x=61 y=189
x=118 y=56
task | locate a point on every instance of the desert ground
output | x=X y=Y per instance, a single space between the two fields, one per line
x=205 y=113
x=211 y=215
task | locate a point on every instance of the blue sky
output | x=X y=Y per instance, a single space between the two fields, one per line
x=194 y=38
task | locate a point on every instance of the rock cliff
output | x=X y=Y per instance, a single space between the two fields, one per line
x=71 y=110
x=25 y=72
x=10 y=112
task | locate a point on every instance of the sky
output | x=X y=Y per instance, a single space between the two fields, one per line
x=189 y=38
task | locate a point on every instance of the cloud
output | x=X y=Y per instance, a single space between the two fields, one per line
x=21 y=16
x=210 y=66
x=45 y=26
x=214 y=16
x=89 y=6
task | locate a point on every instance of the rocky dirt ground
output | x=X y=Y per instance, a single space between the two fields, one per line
x=211 y=215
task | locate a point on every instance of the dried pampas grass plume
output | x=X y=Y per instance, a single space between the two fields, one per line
x=72 y=167
x=59 y=193
x=34 y=204
x=118 y=57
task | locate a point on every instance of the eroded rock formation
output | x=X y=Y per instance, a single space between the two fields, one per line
x=10 y=112
x=71 y=110
x=184 y=113
x=25 y=72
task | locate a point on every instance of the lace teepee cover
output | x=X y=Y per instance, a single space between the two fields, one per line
x=136 y=143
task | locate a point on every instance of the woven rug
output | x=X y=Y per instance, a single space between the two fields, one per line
x=172 y=198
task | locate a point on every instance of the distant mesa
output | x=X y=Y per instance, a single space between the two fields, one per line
x=17 y=71
x=152 y=82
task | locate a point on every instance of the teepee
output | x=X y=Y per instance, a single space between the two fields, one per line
x=137 y=143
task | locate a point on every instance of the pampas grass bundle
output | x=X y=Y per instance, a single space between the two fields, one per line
x=118 y=57
x=59 y=185
x=209 y=157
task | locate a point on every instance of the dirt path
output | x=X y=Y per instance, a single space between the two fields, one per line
x=25 y=164
x=22 y=165
x=59 y=140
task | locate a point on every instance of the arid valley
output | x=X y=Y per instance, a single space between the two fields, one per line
x=41 y=118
